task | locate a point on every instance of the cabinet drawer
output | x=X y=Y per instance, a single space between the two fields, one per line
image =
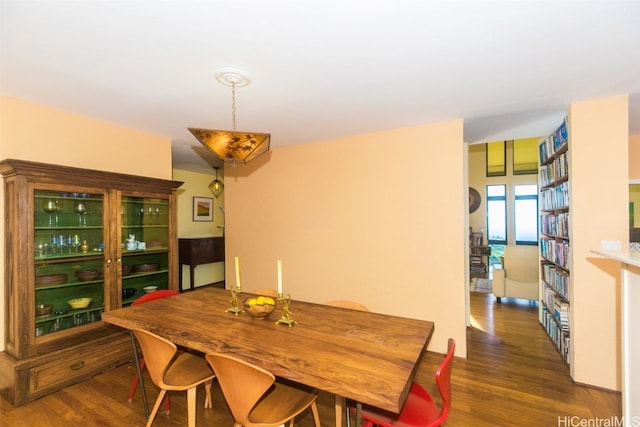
x=71 y=367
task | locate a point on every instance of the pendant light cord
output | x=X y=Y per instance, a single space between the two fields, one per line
x=233 y=105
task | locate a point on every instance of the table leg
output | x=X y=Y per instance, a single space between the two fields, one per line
x=192 y=270
x=140 y=381
x=358 y=414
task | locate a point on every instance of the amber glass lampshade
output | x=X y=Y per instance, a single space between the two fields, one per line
x=216 y=186
x=233 y=147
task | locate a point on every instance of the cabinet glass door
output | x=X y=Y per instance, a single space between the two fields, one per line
x=68 y=259
x=145 y=253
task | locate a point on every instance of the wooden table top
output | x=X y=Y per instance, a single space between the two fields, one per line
x=368 y=357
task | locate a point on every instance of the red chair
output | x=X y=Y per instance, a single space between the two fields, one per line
x=419 y=409
x=140 y=364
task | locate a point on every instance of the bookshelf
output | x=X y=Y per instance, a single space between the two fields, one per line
x=478 y=256
x=555 y=237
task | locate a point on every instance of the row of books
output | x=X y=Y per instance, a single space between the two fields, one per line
x=553 y=143
x=560 y=337
x=555 y=224
x=554 y=171
x=555 y=252
x=557 y=279
x=477 y=268
x=555 y=198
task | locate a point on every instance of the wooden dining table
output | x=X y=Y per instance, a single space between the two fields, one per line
x=369 y=358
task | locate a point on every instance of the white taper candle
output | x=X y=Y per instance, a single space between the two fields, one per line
x=238 y=273
x=279 y=277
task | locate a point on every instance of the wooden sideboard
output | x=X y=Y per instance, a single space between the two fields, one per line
x=198 y=250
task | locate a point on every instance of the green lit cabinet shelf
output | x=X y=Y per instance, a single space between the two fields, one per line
x=74 y=233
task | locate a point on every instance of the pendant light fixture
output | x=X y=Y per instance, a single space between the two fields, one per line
x=216 y=186
x=232 y=146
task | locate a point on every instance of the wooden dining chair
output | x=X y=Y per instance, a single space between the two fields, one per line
x=340 y=401
x=419 y=409
x=267 y=292
x=171 y=372
x=256 y=398
x=162 y=293
x=347 y=304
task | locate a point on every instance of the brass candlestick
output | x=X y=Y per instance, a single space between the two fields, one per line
x=234 y=303
x=286 y=311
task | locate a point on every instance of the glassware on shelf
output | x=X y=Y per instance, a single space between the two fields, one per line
x=54 y=243
x=75 y=242
x=50 y=206
x=61 y=243
x=81 y=209
x=40 y=248
x=157 y=212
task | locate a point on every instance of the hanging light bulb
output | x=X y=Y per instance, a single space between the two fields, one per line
x=232 y=146
x=216 y=186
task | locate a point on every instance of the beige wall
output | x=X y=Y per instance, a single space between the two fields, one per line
x=197 y=185
x=377 y=218
x=599 y=146
x=37 y=133
x=634 y=157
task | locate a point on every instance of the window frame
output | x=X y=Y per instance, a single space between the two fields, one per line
x=503 y=199
x=517 y=198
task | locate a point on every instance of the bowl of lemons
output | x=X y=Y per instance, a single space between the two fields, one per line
x=259 y=307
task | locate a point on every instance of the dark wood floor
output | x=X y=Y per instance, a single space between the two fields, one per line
x=513 y=376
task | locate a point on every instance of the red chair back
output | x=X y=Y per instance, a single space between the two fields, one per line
x=159 y=294
x=443 y=380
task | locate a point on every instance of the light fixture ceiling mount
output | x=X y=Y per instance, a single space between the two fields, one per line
x=233 y=77
x=232 y=146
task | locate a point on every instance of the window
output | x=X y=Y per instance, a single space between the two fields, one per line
x=497 y=214
x=497 y=158
x=525 y=215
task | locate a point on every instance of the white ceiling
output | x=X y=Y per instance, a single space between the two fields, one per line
x=321 y=69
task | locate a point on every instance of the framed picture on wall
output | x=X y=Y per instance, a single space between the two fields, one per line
x=202 y=209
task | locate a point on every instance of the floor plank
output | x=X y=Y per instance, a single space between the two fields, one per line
x=513 y=376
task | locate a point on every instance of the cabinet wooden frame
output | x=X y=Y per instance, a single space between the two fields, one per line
x=23 y=348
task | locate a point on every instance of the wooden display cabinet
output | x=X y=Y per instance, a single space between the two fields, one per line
x=61 y=220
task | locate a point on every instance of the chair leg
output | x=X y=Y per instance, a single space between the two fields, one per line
x=191 y=407
x=316 y=416
x=134 y=384
x=156 y=406
x=167 y=406
x=339 y=409
x=207 y=399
